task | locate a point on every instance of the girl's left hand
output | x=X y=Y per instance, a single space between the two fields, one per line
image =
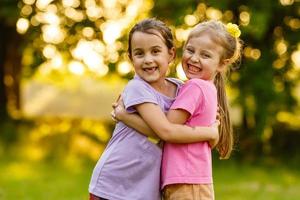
x=215 y=127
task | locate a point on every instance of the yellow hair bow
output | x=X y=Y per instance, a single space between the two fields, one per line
x=233 y=30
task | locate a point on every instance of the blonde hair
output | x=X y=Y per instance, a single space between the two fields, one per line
x=232 y=53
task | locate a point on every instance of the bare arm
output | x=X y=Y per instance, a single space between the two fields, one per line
x=133 y=120
x=177 y=133
x=153 y=120
x=180 y=116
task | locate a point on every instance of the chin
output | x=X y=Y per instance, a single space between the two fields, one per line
x=191 y=76
x=150 y=79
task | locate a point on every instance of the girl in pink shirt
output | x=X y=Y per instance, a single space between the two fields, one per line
x=186 y=171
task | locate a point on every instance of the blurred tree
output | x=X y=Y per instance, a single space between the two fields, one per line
x=10 y=59
x=84 y=37
x=266 y=77
x=10 y=73
x=265 y=87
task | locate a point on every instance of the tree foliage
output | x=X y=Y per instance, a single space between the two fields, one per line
x=265 y=84
x=263 y=88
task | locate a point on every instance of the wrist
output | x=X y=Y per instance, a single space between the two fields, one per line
x=119 y=116
x=205 y=132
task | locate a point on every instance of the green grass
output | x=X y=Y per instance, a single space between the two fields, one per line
x=42 y=181
x=259 y=182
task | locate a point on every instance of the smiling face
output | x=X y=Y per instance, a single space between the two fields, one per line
x=202 y=57
x=150 y=56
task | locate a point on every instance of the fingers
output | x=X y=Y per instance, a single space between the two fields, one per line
x=218 y=117
x=213 y=144
x=118 y=102
x=114 y=105
x=113 y=116
x=118 y=106
x=119 y=97
x=218 y=113
x=216 y=123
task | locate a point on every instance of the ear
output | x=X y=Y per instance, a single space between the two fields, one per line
x=172 y=53
x=223 y=65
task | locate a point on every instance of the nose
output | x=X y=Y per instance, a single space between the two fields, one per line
x=148 y=59
x=195 y=58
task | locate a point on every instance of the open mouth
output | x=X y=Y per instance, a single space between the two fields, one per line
x=193 y=68
x=150 y=69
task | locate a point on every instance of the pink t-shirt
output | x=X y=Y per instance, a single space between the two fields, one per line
x=191 y=163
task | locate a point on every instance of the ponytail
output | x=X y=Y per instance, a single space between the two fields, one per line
x=225 y=145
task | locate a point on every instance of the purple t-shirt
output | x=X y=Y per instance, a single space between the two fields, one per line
x=129 y=168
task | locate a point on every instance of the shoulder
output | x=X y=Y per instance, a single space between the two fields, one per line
x=196 y=81
x=202 y=84
x=138 y=89
x=136 y=81
x=135 y=84
x=176 y=81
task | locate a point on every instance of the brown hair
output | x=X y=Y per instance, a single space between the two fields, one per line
x=232 y=52
x=150 y=26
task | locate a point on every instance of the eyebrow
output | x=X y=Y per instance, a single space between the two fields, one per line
x=156 y=46
x=202 y=50
x=206 y=51
x=190 y=46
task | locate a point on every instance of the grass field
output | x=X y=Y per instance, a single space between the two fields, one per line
x=20 y=180
x=260 y=182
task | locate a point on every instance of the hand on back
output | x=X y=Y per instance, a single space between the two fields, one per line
x=118 y=110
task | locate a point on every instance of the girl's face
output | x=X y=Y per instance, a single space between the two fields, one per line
x=150 y=56
x=202 y=58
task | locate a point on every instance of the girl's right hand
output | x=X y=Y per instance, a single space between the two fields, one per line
x=119 y=110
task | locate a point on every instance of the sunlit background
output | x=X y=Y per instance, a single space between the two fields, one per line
x=68 y=62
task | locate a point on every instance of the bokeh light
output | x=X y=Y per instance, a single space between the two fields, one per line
x=286 y=2
x=213 y=13
x=191 y=20
x=281 y=47
x=296 y=58
x=76 y=67
x=244 y=18
x=124 y=67
x=22 y=25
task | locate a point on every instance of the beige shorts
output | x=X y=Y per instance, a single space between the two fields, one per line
x=189 y=192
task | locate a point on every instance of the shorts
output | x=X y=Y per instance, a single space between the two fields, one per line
x=189 y=192
x=93 y=197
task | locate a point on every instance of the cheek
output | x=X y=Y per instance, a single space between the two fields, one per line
x=136 y=62
x=184 y=60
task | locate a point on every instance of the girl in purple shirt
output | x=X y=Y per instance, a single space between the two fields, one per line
x=129 y=168
x=210 y=49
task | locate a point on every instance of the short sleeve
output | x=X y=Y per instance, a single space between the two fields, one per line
x=137 y=92
x=190 y=98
